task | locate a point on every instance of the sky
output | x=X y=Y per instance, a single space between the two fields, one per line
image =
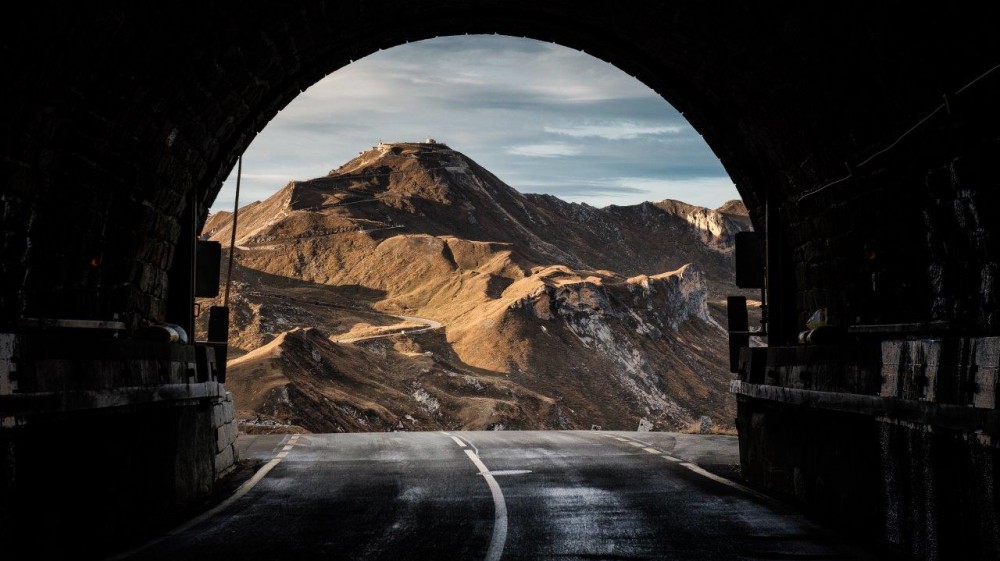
x=542 y=117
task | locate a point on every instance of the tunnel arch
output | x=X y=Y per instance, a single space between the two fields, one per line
x=140 y=116
x=864 y=139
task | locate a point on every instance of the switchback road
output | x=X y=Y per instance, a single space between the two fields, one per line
x=428 y=324
x=495 y=495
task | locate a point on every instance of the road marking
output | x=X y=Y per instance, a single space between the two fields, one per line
x=499 y=510
x=507 y=472
x=457 y=441
x=697 y=469
x=243 y=490
x=729 y=483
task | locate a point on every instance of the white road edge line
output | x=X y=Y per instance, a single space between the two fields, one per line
x=243 y=490
x=637 y=444
x=457 y=441
x=700 y=470
x=499 y=538
x=729 y=483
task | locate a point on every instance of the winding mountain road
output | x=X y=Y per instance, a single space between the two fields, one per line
x=428 y=324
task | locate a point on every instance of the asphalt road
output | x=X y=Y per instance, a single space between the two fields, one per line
x=495 y=495
x=428 y=324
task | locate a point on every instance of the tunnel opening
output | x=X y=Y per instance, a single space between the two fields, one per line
x=119 y=123
x=537 y=305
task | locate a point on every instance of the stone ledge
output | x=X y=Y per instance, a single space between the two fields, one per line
x=887 y=408
x=25 y=404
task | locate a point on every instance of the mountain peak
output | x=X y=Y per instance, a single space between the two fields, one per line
x=427 y=188
x=397 y=170
x=387 y=150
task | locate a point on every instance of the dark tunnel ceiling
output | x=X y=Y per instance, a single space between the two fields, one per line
x=118 y=116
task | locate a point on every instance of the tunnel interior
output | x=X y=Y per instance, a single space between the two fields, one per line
x=864 y=148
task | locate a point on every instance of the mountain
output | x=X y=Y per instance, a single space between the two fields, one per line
x=412 y=289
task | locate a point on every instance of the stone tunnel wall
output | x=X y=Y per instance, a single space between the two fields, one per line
x=922 y=491
x=911 y=235
x=104 y=439
x=85 y=485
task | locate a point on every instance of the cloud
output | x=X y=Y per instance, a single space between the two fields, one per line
x=593 y=193
x=708 y=192
x=542 y=117
x=616 y=131
x=266 y=177
x=702 y=191
x=549 y=150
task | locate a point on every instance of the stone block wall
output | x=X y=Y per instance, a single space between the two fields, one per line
x=909 y=459
x=224 y=423
x=913 y=490
x=952 y=371
x=83 y=484
x=103 y=439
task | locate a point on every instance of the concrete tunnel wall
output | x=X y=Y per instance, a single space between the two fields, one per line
x=116 y=119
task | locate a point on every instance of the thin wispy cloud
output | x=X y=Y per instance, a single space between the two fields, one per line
x=616 y=131
x=630 y=190
x=687 y=190
x=542 y=117
x=549 y=150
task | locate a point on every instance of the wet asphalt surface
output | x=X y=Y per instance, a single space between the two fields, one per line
x=545 y=495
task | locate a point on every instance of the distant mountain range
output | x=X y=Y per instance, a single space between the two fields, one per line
x=411 y=289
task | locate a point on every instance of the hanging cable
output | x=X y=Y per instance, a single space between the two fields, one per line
x=232 y=238
x=946 y=106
